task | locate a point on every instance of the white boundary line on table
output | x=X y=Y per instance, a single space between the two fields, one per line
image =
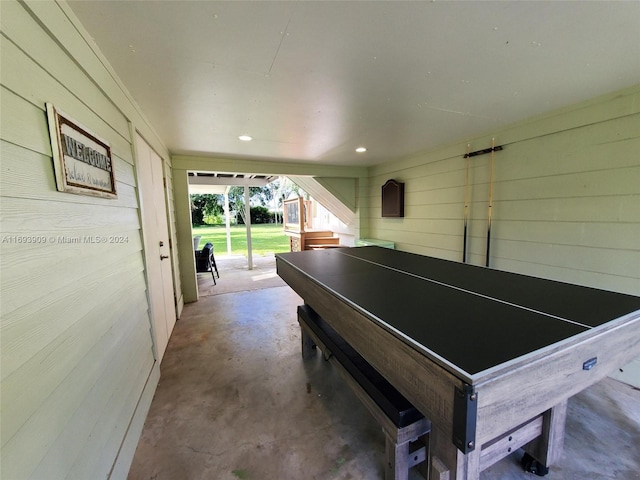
x=471 y=292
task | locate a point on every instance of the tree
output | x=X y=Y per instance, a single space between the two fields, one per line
x=260 y=214
x=279 y=190
x=206 y=206
x=258 y=197
x=203 y=206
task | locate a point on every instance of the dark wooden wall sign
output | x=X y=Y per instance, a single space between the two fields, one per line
x=82 y=161
x=393 y=199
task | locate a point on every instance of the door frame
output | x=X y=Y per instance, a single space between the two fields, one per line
x=146 y=254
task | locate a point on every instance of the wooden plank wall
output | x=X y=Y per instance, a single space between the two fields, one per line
x=78 y=372
x=566 y=200
x=566 y=197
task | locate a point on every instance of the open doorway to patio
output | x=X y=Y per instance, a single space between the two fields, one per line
x=245 y=240
x=240 y=217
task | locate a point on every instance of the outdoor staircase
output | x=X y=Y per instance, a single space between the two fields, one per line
x=317 y=240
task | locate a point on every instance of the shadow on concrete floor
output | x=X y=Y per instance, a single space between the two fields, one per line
x=236 y=277
x=236 y=400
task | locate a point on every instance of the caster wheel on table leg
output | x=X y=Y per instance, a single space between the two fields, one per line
x=531 y=465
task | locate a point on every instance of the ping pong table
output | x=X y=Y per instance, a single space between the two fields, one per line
x=489 y=357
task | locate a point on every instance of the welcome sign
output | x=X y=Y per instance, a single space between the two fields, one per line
x=82 y=160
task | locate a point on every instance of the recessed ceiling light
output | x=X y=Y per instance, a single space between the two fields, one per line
x=361 y=149
x=245 y=138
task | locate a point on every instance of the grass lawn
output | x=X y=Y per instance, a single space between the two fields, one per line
x=265 y=238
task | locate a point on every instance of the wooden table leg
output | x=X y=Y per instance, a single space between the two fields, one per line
x=307 y=343
x=547 y=448
x=446 y=462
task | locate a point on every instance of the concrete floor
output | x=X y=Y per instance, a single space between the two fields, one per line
x=236 y=401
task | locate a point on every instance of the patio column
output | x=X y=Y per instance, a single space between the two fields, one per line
x=227 y=217
x=247 y=215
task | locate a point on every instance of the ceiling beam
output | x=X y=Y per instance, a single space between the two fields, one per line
x=262 y=167
x=237 y=180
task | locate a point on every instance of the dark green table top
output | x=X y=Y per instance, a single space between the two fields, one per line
x=471 y=319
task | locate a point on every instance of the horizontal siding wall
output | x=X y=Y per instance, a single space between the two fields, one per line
x=76 y=350
x=171 y=212
x=566 y=197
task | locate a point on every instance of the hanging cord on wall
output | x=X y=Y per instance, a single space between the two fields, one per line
x=493 y=141
x=466 y=205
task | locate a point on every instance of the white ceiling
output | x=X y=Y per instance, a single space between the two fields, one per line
x=311 y=81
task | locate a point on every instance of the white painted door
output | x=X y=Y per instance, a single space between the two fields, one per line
x=156 y=243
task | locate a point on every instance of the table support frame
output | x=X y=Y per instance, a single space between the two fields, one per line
x=536 y=388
